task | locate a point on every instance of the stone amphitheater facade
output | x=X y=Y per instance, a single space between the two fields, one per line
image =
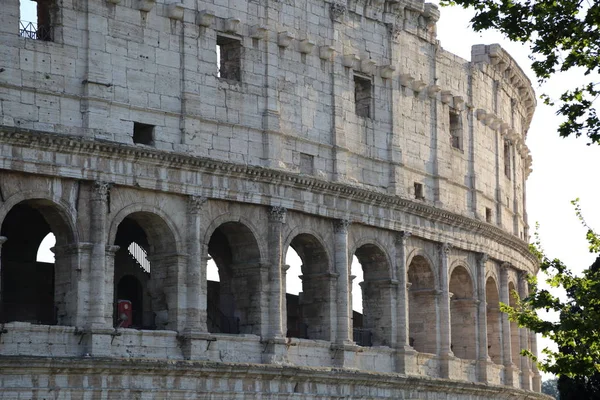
x=150 y=136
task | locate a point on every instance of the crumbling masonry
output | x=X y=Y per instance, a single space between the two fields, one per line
x=150 y=136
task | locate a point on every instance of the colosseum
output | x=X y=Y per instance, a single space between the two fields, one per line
x=159 y=140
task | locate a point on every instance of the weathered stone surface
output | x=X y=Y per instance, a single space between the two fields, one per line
x=124 y=138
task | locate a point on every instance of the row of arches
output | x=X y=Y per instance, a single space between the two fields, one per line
x=235 y=286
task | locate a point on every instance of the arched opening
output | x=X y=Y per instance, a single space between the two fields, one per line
x=44 y=253
x=310 y=317
x=234 y=301
x=515 y=338
x=463 y=314
x=372 y=312
x=494 y=327
x=35 y=291
x=141 y=272
x=293 y=292
x=422 y=306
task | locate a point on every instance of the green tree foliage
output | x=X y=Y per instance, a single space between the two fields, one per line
x=577 y=330
x=564 y=35
x=550 y=387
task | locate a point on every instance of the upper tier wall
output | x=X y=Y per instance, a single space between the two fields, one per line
x=454 y=127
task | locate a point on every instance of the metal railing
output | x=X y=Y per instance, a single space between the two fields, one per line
x=140 y=256
x=30 y=30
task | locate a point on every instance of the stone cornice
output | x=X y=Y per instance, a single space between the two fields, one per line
x=88 y=147
x=322 y=375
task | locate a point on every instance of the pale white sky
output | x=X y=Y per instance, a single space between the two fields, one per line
x=563 y=169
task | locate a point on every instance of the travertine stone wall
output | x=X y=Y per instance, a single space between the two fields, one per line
x=238 y=171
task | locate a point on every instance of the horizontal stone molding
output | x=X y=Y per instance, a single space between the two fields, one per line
x=48 y=143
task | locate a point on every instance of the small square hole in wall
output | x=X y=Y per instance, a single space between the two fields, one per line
x=363 y=96
x=307 y=164
x=229 y=58
x=419 y=191
x=143 y=134
x=488 y=215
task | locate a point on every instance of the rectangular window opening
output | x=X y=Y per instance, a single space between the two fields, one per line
x=363 y=96
x=143 y=134
x=307 y=164
x=507 y=168
x=36 y=19
x=419 y=191
x=229 y=56
x=455 y=129
x=488 y=215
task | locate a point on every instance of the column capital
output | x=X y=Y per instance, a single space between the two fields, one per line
x=402 y=237
x=195 y=203
x=483 y=258
x=111 y=250
x=504 y=267
x=522 y=276
x=277 y=214
x=101 y=190
x=341 y=225
x=444 y=248
x=72 y=248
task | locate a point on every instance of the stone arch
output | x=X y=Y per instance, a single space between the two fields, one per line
x=515 y=337
x=257 y=233
x=34 y=291
x=364 y=241
x=430 y=261
x=297 y=231
x=461 y=264
x=463 y=313
x=235 y=303
x=309 y=315
x=422 y=304
x=494 y=322
x=374 y=325
x=149 y=248
x=164 y=221
x=63 y=209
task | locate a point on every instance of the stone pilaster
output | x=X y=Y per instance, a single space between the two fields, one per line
x=98 y=273
x=196 y=315
x=344 y=349
x=509 y=367
x=445 y=353
x=276 y=351
x=343 y=326
x=3 y=240
x=72 y=287
x=167 y=287
x=536 y=380
x=482 y=356
x=271 y=113
x=98 y=343
x=339 y=82
x=524 y=337
x=405 y=354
